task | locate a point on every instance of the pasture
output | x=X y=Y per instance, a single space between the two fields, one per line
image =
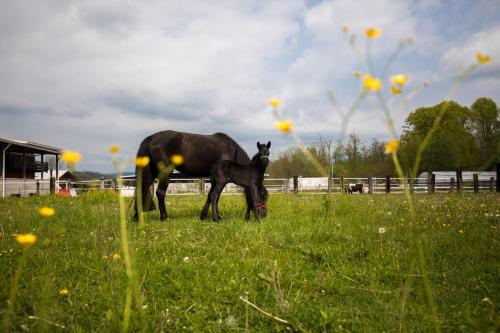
x=318 y=263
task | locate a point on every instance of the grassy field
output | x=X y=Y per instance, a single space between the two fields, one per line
x=318 y=264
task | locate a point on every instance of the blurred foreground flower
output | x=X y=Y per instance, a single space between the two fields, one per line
x=46 y=212
x=142 y=161
x=372 y=83
x=71 y=157
x=116 y=257
x=395 y=90
x=372 y=33
x=26 y=240
x=357 y=74
x=177 y=159
x=64 y=292
x=114 y=149
x=274 y=102
x=345 y=28
x=482 y=58
x=284 y=126
x=391 y=146
x=399 y=79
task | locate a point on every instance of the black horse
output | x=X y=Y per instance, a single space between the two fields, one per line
x=199 y=152
x=250 y=176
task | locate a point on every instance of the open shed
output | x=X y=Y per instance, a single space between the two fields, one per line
x=20 y=161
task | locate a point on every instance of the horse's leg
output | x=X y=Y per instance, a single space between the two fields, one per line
x=253 y=193
x=248 y=198
x=204 y=211
x=161 y=192
x=214 y=196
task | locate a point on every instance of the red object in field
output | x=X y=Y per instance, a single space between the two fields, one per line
x=64 y=192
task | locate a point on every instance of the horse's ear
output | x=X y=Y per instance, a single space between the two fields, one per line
x=268 y=144
x=258 y=144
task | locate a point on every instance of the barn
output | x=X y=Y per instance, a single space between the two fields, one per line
x=20 y=162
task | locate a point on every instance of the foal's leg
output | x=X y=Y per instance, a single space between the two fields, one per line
x=253 y=193
x=204 y=211
x=160 y=194
x=248 y=198
x=214 y=196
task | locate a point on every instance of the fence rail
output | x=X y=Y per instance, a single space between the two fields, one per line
x=372 y=185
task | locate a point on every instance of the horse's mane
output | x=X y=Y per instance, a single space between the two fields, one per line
x=239 y=154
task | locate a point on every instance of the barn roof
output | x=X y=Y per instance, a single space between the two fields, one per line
x=28 y=147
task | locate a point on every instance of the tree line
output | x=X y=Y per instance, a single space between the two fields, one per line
x=467 y=137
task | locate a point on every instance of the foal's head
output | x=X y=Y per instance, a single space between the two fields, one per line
x=263 y=153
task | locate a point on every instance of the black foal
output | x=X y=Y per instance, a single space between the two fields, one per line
x=250 y=176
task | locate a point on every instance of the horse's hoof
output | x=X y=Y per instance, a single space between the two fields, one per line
x=203 y=217
x=164 y=218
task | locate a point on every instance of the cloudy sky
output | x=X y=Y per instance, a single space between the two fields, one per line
x=83 y=75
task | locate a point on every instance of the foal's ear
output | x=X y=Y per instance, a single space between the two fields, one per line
x=258 y=145
x=268 y=144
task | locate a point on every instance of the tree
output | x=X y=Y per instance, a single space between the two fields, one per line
x=485 y=126
x=451 y=146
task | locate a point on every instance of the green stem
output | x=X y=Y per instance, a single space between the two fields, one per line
x=13 y=292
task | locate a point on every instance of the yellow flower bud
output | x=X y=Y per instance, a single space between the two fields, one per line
x=26 y=240
x=482 y=58
x=46 y=212
x=372 y=83
x=391 y=146
x=71 y=157
x=274 y=102
x=284 y=126
x=372 y=33
x=114 y=149
x=142 y=161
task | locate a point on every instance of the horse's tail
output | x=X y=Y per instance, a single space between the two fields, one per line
x=145 y=176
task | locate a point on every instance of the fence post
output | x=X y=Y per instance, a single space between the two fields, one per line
x=52 y=185
x=102 y=183
x=459 y=179
x=452 y=184
x=201 y=187
x=475 y=178
x=329 y=184
x=295 y=184
x=492 y=184
x=433 y=183
x=370 y=185
x=387 y=184
x=115 y=185
x=341 y=184
x=37 y=187
x=498 y=177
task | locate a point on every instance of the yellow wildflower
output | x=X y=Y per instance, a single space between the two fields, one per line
x=142 y=161
x=372 y=83
x=372 y=33
x=26 y=240
x=482 y=58
x=114 y=149
x=395 y=90
x=116 y=257
x=345 y=27
x=274 y=102
x=357 y=74
x=105 y=257
x=64 y=292
x=71 y=157
x=391 y=146
x=284 y=126
x=46 y=212
x=399 y=79
x=177 y=159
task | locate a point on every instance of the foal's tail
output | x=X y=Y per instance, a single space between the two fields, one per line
x=146 y=177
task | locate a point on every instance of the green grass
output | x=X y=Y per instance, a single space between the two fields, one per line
x=320 y=265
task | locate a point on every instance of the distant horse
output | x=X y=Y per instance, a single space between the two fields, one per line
x=199 y=152
x=250 y=176
x=353 y=188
